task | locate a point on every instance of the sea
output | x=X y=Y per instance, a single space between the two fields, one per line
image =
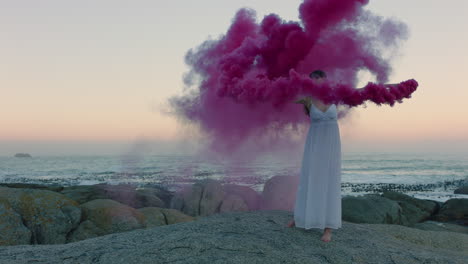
x=422 y=175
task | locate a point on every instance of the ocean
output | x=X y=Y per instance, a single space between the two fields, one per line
x=421 y=175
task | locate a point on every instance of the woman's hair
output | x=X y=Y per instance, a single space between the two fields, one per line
x=317 y=74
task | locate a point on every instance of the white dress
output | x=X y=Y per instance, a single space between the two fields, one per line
x=318 y=197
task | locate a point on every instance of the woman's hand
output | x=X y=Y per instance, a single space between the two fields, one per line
x=304 y=100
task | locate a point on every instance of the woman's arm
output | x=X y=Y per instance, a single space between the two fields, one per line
x=306 y=101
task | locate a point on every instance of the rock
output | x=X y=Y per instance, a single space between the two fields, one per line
x=253 y=237
x=279 y=193
x=85 y=193
x=233 y=202
x=87 y=229
x=453 y=210
x=250 y=197
x=461 y=190
x=49 y=216
x=202 y=198
x=153 y=216
x=22 y=155
x=174 y=216
x=438 y=226
x=212 y=197
x=413 y=210
x=106 y=217
x=123 y=193
x=371 y=209
x=161 y=193
x=156 y=216
x=54 y=188
x=12 y=230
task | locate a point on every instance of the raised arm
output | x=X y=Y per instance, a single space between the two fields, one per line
x=306 y=101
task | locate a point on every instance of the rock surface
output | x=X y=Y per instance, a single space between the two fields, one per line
x=123 y=193
x=279 y=193
x=13 y=232
x=371 y=209
x=253 y=237
x=438 y=226
x=49 y=216
x=453 y=210
x=54 y=188
x=105 y=216
x=208 y=196
x=156 y=216
x=250 y=196
x=413 y=210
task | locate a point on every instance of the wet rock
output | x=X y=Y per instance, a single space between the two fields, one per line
x=453 y=210
x=371 y=209
x=461 y=190
x=54 y=188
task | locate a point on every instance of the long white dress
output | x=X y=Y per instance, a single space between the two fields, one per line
x=318 y=197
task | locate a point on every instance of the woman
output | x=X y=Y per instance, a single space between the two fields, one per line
x=318 y=197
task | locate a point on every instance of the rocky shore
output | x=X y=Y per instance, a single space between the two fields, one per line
x=210 y=221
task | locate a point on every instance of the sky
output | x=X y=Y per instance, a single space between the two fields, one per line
x=90 y=76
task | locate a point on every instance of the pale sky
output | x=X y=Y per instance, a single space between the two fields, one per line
x=89 y=76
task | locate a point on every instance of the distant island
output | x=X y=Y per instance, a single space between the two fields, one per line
x=22 y=155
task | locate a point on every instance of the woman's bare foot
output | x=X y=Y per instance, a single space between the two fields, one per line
x=292 y=223
x=326 y=235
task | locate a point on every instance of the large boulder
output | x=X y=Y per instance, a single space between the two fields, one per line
x=250 y=197
x=453 y=210
x=12 y=230
x=371 y=209
x=209 y=196
x=123 y=193
x=84 y=193
x=461 y=190
x=413 y=210
x=233 y=202
x=202 y=198
x=279 y=193
x=161 y=193
x=175 y=216
x=105 y=216
x=49 y=216
x=156 y=216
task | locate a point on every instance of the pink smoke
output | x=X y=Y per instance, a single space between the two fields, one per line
x=246 y=81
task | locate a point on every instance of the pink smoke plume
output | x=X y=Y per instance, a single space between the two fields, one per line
x=246 y=81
